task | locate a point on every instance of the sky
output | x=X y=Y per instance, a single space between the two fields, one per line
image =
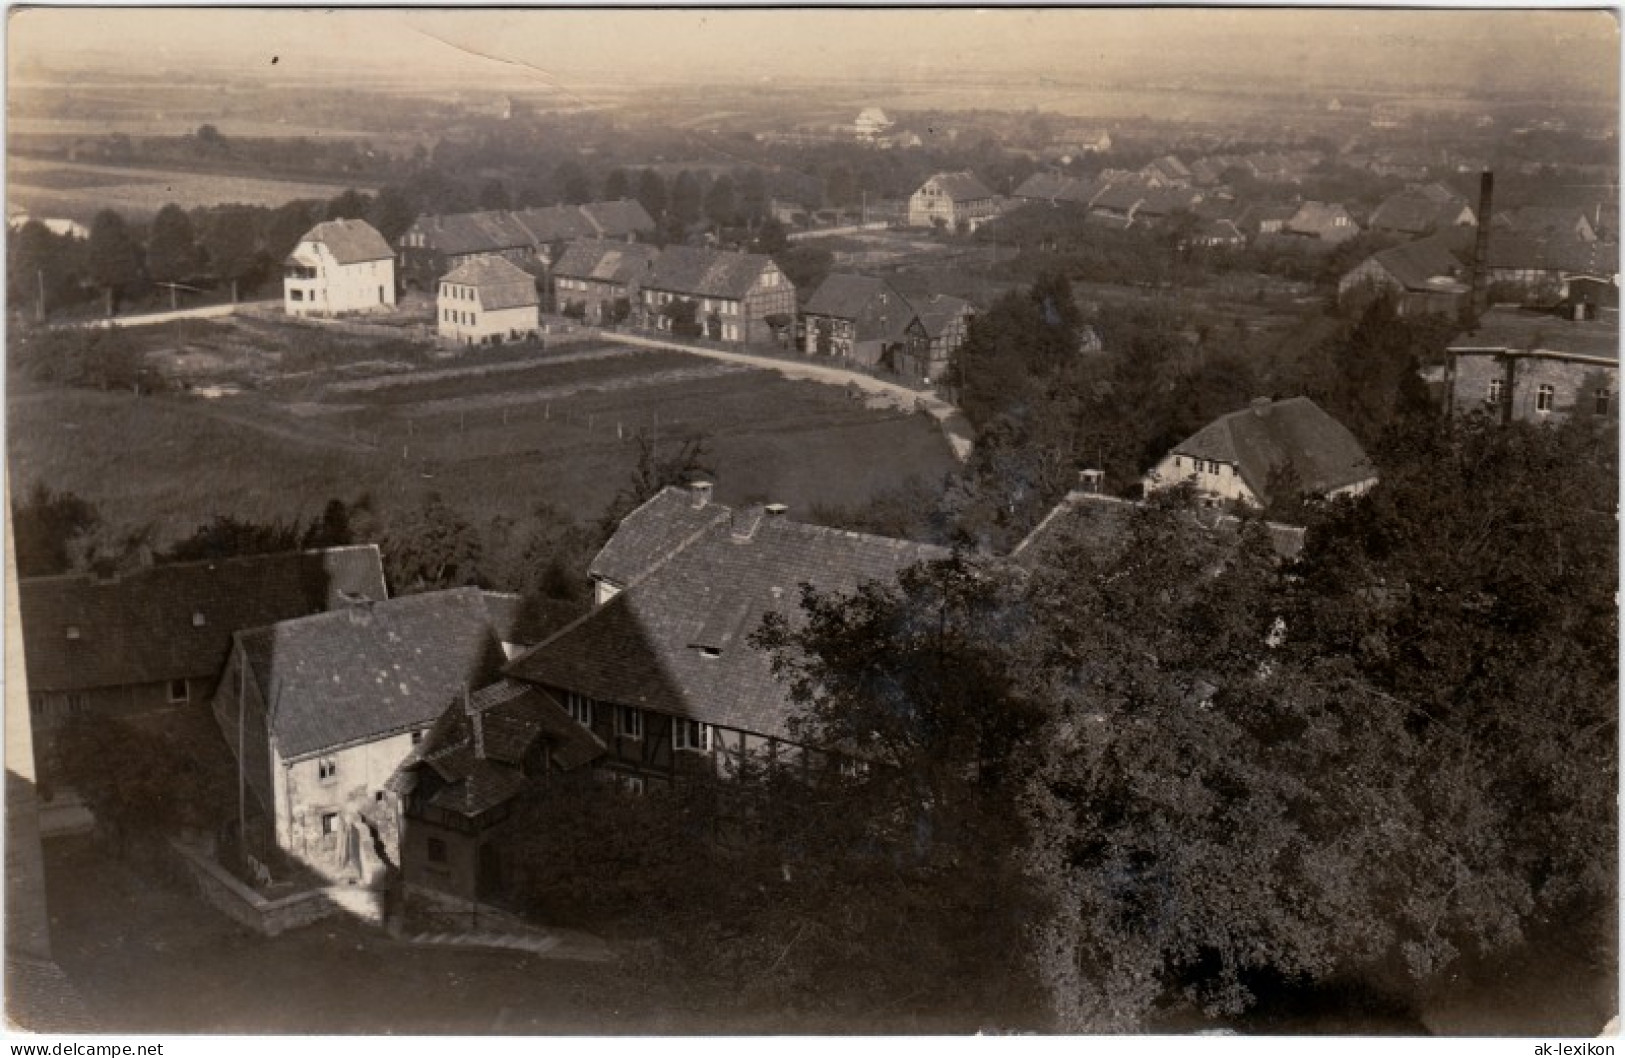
x=1468 y=48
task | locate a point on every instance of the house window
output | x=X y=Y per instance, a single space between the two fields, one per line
x=437 y=850
x=629 y=722
x=1543 y=398
x=690 y=735
x=580 y=708
x=295 y=294
x=1604 y=398
x=1495 y=391
x=417 y=737
x=75 y=703
x=330 y=823
x=327 y=769
x=177 y=691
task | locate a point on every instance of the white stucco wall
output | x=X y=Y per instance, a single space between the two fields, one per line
x=304 y=798
x=336 y=288
x=464 y=321
x=1226 y=483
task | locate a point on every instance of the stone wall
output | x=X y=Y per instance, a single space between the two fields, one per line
x=270 y=917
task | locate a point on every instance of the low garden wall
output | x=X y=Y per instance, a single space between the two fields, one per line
x=271 y=916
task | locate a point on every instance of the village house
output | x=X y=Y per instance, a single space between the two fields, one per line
x=1327 y=221
x=1538 y=366
x=732 y=297
x=1265 y=219
x=953 y=201
x=1538 y=267
x=1118 y=205
x=1564 y=221
x=1055 y=188
x=858 y=318
x=458 y=786
x=487 y=301
x=663 y=672
x=1421 y=277
x=320 y=712
x=599 y=281
x=946 y=323
x=1237 y=457
x=1167 y=171
x=1424 y=210
x=434 y=245
x=339 y=266
x=871 y=124
x=158 y=637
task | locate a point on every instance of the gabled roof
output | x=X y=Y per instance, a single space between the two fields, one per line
x=1120 y=198
x=350 y=241
x=653 y=532
x=1424 y=265
x=526 y=621
x=877 y=310
x=675 y=641
x=1418 y=210
x=1270 y=434
x=1163 y=201
x=938 y=312
x=608 y=262
x=1568 y=220
x=1550 y=251
x=695 y=271
x=370 y=670
x=1107 y=522
x=960 y=187
x=1316 y=217
x=1045 y=186
x=1511 y=330
x=176 y=621
x=498 y=283
x=493 y=231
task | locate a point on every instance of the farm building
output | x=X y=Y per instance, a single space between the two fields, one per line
x=1422 y=277
x=730 y=297
x=434 y=245
x=1421 y=211
x=487 y=301
x=599 y=281
x=1234 y=457
x=857 y=318
x=339 y=266
x=951 y=200
x=1326 y=221
x=321 y=711
x=1538 y=366
x=945 y=321
x=663 y=672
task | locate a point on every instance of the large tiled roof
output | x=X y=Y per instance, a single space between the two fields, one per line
x=1120 y=198
x=1505 y=330
x=938 y=312
x=675 y=641
x=694 y=271
x=175 y=621
x=610 y=262
x=1106 y=523
x=1316 y=217
x=877 y=309
x=1423 y=265
x=653 y=533
x=1418 y=210
x=1294 y=432
x=1551 y=251
x=1162 y=201
x=961 y=187
x=526 y=621
x=1565 y=219
x=1059 y=188
x=350 y=241
x=370 y=670
x=498 y=283
x=468 y=233
x=493 y=231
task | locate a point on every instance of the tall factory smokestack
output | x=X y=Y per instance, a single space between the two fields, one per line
x=1481 y=247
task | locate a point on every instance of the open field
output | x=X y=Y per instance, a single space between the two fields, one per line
x=492 y=439
x=53 y=188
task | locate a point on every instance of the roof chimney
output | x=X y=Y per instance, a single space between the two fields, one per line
x=701 y=491
x=775 y=510
x=1261 y=406
x=1089 y=480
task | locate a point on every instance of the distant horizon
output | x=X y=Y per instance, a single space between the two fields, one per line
x=1497 y=51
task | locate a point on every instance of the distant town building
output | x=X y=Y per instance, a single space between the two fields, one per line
x=735 y=297
x=338 y=267
x=487 y=301
x=434 y=245
x=951 y=200
x=1419 y=211
x=871 y=124
x=599 y=281
x=1421 y=277
x=1326 y=221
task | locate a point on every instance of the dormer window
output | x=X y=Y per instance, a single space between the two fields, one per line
x=710 y=652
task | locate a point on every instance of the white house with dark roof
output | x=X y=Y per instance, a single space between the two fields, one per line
x=733 y=297
x=321 y=711
x=951 y=200
x=339 y=266
x=662 y=672
x=1236 y=456
x=487 y=301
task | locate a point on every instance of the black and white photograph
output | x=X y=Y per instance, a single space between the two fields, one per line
x=812 y=522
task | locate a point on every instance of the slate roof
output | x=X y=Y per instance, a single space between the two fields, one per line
x=489 y=231
x=1107 y=522
x=938 y=312
x=1568 y=220
x=1503 y=329
x=675 y=641
x=652 y=533
x=143 y=627
x=1318 y=218
x=608 y=262
x=1552 y=252
x=492 y=231
x=526 y=622
x=1056 y=187
x=370 y=670
x=878 y=311
x=498 y=283
x=1295 y=432
x=694 y=271
x=1418 y=210
x=1162 y=201
x=1423 y=265
x=1120 y=198
x=350 y=241
x=478 y=747
x=961 y=187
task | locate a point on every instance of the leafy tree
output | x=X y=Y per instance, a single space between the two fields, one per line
x=494 y=195
x=331 y=528
x=43 y=264
x=431 y=547
x=771 y=238
x=687 y=198
x=721 y=205
x=87 y=357
x=283 y=229
x=351 y=205
x=44 y=525
x=232 y=245
x=172 y=253
x=228 y=536
x=805 y=266
x=571 y=185
x=392 y=213
x=651 y=193
x=753 y=198
x=659 y=463
x=617 y=185
x=684 y=316
x=112 y=257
